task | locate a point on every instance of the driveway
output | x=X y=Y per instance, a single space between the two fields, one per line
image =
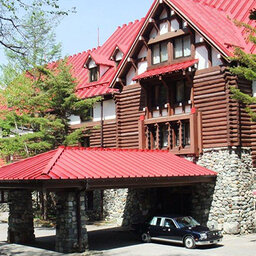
x=112 y=241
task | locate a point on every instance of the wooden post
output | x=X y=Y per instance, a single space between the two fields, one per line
x=142 y=135
x=102 y=123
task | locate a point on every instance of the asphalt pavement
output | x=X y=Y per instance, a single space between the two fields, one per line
x=112 y=241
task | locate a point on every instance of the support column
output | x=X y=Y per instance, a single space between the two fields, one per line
x=21 y=227
x=71 y=233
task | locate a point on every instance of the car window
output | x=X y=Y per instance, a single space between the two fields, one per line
x=156 y=221
x=169 y=223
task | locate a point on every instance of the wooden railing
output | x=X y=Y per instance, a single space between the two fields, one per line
x=181 y=134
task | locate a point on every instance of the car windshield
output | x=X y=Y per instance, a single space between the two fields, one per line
x=186 y=222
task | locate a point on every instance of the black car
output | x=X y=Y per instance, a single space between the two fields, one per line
x=184 y=230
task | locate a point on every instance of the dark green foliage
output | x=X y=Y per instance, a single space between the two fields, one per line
x=39 y=107
x=246 y=67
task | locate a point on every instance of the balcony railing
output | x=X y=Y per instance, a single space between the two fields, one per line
x=181 y=134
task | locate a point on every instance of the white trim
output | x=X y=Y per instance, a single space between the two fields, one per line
x=171 y=5
x=134 y=43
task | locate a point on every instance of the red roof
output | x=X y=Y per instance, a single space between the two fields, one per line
x=254 y=192
x=166 y=69
x=95 y=163
x=212 y=18
x=123 y=36
x=101 y=59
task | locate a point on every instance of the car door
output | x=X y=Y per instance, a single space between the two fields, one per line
x=169 y=230
x=155 y=227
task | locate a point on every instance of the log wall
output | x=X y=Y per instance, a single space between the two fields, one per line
x=210 y=99
x=129 y=108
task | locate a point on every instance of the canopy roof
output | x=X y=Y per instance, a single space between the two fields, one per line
x=74 y=163
x=166 y=69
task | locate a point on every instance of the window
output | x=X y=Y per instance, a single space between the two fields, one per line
x=93 y=74
x=182 y=47
x=169 y=223
x=177 y=135
x=159 y=53
x=163 y=137
x=185 y=134
x=183 y=91
x=159 y=96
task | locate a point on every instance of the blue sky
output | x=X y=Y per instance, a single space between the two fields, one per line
x=78 y=32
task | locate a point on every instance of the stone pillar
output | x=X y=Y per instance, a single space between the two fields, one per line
x=71 y=233
x=232 y=203
x=21 y=227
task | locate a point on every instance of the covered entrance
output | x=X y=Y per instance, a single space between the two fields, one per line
x=70 y=171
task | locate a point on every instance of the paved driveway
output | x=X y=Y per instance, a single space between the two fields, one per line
x=110 y=241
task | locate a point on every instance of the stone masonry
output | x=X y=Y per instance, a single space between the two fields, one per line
x=21 y=228
x=232 y=203
x=68 y=226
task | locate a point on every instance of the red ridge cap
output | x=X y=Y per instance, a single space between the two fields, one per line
x=53 y=160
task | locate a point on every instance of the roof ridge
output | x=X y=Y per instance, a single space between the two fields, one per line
x=31 y=157
x=53 y=160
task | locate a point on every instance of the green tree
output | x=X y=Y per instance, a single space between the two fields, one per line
x=39 y=105
x=40 y=45
x=11 y=12
x=38 y=42
x=246 y=67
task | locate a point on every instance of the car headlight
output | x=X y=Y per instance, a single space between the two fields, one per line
x=203 y=236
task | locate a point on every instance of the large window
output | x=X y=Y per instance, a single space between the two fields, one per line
x=183 y=91
x=182 y=47
x=159 y=53
x=159 y=96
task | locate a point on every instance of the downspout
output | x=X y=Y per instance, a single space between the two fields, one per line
x=101 y=123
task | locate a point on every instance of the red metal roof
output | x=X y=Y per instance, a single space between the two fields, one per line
x=101 y=60
x=166 y=69
x=215 y=19
x=95 y=163
x=122 y=37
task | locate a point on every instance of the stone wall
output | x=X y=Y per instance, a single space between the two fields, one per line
x=202 y=197
x=21 y=228
x=232 y=202
x=68 y=226
x=114 y=205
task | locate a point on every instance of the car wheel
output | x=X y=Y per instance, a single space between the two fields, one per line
x=189 y=242
x=145 y=238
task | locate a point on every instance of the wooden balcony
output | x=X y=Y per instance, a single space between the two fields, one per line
x=181 y=134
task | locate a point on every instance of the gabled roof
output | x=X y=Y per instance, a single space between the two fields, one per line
x=214 y=18
x=101 y=60
x=73 y=163
x=166 y=69
x=122 y=37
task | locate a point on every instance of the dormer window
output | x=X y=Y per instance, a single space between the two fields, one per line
x=159 y=53
x=118 y=57
x=93 y=74
x=93 y=70
x=182 y=47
